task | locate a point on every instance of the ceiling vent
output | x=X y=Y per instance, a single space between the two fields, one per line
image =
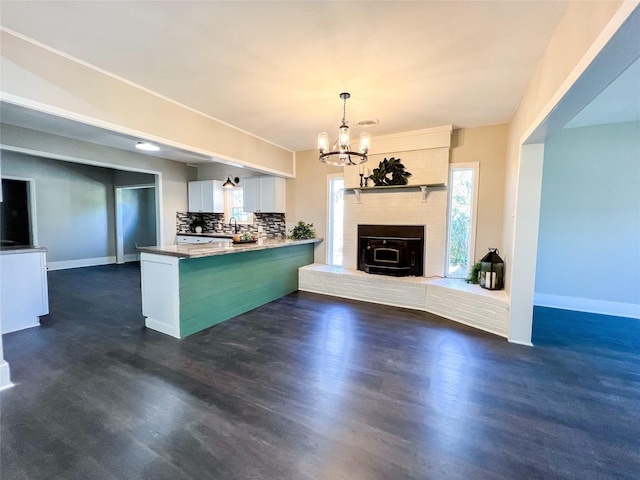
x=368 y=122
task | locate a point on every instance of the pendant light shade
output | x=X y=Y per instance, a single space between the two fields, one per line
x=323 y=142
x=365 y=140
x=228 y=183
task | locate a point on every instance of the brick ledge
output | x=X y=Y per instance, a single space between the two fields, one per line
x=450 y=298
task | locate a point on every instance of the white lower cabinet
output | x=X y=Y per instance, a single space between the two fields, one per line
x=24 y=293
x=160 y=282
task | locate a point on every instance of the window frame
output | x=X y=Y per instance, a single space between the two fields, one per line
x=475 y=167
x=328 y=254
x=228 y=207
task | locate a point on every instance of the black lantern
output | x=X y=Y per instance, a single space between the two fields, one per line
x=492 y=271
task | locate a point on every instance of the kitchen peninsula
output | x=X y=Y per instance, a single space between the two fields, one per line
x=190 y=287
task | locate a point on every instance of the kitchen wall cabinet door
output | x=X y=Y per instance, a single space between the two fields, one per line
x=264 y=194
x=206 y=196
x=250 y=194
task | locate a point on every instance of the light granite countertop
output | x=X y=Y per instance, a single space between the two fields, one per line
x=21 y=249
x=197 y=250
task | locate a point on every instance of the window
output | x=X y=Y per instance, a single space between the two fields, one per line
x=336 y=209
x=463 y=187
x=233 y=206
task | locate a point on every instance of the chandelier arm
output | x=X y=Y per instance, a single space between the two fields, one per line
x=345 y=152
x=326 y=157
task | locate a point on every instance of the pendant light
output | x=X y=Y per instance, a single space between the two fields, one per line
x=341 y=154
x=230 y=183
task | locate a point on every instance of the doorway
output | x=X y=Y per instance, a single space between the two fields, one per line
x=135 y=220
x=17 y=212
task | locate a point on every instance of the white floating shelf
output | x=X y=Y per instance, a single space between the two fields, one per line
x=424 y=189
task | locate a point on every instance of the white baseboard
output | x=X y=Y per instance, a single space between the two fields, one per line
x=20 y=323
x=81 y=262
x=5 y=377
x=132 y=257
x=162 y=327
x=616 y=309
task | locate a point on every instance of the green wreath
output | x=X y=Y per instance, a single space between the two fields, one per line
x=390 y=172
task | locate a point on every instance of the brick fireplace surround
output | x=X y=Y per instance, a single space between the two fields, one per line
x=426 y=155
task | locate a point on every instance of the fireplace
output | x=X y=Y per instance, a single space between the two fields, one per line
x=396 y=250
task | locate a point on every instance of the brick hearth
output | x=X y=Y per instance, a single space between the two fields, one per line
x=450 y=298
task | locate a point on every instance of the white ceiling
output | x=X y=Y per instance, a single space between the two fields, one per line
x=43 y=122
x=276 y=69
x=619 y=102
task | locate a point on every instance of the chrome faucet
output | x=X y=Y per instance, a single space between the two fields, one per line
x=236 y=225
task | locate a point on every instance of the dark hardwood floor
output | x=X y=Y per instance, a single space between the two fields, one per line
x=307 y=387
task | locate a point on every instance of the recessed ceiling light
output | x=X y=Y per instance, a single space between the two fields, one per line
x=147 y=147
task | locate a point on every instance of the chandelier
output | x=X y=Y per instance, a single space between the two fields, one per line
x=341 y=154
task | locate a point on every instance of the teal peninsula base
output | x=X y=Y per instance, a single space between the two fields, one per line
x=182 y=296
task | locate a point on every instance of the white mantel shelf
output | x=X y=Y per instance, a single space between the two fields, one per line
x=424 y=188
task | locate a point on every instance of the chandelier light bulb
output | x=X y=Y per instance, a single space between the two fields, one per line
x=323 y=142
x=365 y=140
x=343 y=135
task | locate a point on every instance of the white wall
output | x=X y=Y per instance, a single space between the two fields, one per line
x=580 y=36
x=36 y=77
x=74 y=206
x=123 y=178
x=589 y=237
x=486 y=145
x=172 y=189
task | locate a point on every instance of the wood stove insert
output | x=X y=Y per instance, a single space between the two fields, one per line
x=396 y=250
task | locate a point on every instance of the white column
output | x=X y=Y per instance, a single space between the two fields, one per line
x=5 y=377
x=525 y=243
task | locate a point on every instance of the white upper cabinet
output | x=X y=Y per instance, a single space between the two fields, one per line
x=264 y=194
x=250 y=187
x=206 y=196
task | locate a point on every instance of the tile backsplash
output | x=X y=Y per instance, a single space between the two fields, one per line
x=265 y=225
x=213 y=221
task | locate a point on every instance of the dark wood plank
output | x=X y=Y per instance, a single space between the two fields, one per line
x=310 y=387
